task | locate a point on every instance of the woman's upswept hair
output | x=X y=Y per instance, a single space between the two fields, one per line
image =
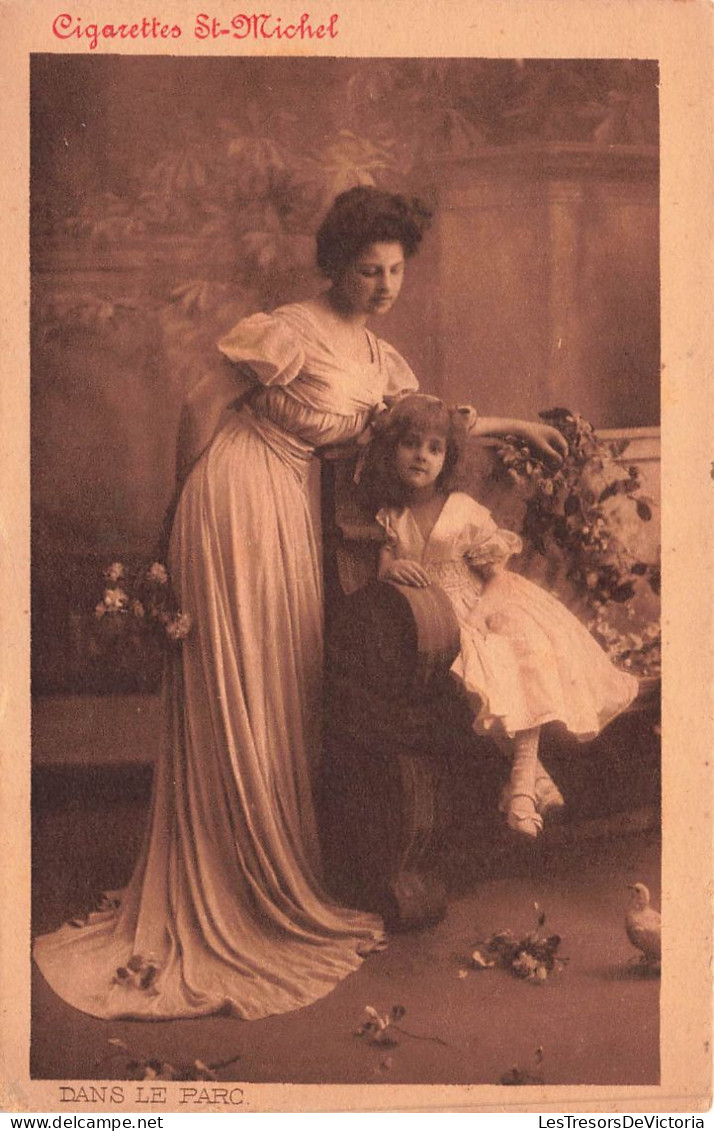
x=365 y=215
x=415 y=414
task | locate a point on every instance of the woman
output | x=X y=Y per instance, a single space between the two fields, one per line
x=225 y=910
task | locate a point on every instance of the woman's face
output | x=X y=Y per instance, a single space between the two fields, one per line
x=371 y=284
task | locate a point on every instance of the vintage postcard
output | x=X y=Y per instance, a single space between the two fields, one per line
x=356 y=652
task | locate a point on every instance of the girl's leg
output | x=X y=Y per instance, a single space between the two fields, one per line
x=548 y=796
x=520 y=802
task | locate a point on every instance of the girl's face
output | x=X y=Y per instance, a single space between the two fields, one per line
x=419 y=459
x=371 y=284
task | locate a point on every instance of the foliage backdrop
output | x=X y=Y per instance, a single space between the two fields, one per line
x=171 y=196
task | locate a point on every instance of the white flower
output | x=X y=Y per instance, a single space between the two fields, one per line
x=179 y=627
x=114 y=572
x=115 y=600
x=158 y=574
x=137 y=609
x=100 y=610
x=375 y=1027
x=528 y=967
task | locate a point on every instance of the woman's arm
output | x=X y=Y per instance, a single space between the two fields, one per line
x=331 y=453
x=548 y=441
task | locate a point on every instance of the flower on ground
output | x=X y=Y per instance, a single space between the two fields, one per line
x=139 y=973
x=531 y=957
x=479 y=962
x=525 y=1076
x=376 y=1028
x=153 y=1068
x=526 y=966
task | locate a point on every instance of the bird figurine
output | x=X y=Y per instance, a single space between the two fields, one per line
x=644 y=928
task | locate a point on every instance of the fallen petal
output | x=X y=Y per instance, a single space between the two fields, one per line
x=479 y=962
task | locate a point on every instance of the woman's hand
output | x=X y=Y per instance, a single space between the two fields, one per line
x=547 y=441
x=405 y=572
x=353 y=447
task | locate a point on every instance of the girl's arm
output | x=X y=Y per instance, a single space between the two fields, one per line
x=549 y=441
x=492 y=569
x=403 y=570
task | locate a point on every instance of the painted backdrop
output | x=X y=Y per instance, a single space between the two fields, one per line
x=172 y=196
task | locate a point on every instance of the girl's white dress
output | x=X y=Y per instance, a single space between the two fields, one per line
x=225 y=910
x=525 y=660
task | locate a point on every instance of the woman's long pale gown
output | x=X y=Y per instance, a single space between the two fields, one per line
x=225 y=910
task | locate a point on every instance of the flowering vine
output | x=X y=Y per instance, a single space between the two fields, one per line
x=570 y=514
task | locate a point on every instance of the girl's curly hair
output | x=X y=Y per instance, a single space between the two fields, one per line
x=365 y=215
x=416 y=413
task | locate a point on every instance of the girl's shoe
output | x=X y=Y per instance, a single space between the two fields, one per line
x=522 y=815
x=548 y=798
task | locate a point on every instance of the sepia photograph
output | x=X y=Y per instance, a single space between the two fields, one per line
x=452 y=267
x=346 y=487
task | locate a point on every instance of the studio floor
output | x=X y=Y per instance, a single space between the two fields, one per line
x=596 y=1020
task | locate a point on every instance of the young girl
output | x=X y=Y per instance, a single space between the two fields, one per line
x=525 y=660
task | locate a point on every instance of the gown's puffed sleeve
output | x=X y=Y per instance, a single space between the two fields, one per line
x=483 y=541
x=398 y=377
x=265 y=346
x=264 y=349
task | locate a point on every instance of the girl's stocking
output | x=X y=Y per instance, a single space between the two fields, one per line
x=548 y=796
x=521 y=812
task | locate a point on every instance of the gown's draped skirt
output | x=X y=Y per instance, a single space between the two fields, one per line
x=225 y=910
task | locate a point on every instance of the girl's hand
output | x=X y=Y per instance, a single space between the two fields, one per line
x=405 y=572
x=547 y=441
x=487 y=557
x=487 y=572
